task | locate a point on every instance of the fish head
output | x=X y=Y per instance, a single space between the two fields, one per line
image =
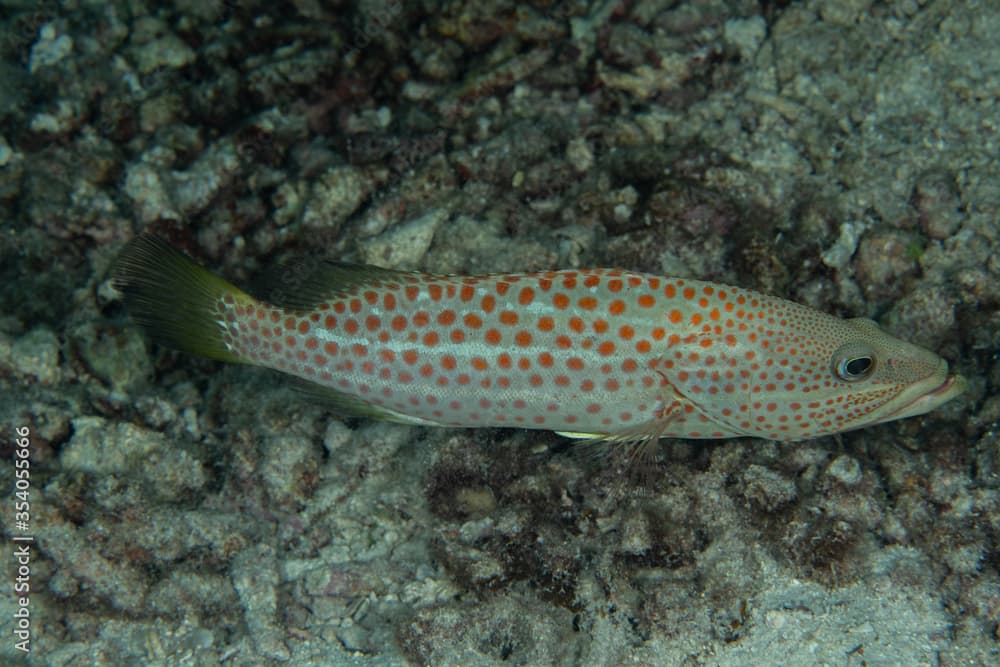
x=882 y=378
x=795 y=373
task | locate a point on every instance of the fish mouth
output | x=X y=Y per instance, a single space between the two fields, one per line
x=952 y=386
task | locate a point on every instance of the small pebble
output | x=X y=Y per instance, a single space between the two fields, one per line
x=845 y=470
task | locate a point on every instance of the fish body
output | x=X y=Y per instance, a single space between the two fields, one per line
x=598 y=353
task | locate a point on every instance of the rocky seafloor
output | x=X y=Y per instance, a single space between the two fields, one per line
x=844 y=154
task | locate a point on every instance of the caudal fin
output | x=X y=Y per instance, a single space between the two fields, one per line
x=178 y=302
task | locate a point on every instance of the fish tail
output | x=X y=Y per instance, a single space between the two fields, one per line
x=178 y=302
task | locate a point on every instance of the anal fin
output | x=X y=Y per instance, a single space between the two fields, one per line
x=353 y=406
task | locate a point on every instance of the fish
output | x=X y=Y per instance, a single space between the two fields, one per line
x=607 y=355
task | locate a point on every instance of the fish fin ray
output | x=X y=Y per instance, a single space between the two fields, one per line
x=638 y=443
x=582 y=436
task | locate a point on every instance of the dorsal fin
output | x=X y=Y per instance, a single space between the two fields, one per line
x=303 y=284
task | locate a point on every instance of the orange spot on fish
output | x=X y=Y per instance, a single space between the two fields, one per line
x=526 y=296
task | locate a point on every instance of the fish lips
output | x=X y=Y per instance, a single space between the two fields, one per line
x=947 y=389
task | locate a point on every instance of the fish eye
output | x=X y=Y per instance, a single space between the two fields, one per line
x=855 y=369
x=853 y=362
